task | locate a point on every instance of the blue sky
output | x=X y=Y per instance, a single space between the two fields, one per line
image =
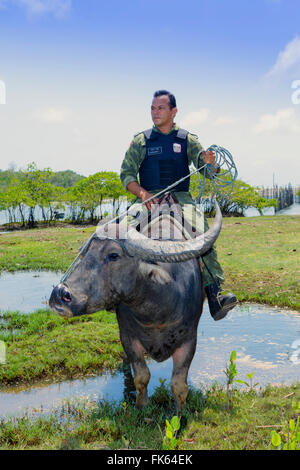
x=80 y=74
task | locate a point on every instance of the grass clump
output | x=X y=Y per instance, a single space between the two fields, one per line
x=48 y=345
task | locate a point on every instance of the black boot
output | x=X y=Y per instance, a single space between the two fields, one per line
x=219 y=305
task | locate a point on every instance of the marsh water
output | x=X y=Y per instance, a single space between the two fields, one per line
x=26 y=291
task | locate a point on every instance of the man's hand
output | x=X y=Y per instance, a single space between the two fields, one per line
x=210 y=157
x=145 y=195
x=141 y=193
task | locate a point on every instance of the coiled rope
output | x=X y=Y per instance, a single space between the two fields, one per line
x=225 y=176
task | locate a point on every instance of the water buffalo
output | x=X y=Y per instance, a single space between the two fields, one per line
x=154 y=286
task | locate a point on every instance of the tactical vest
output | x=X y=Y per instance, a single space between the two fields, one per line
x=166 y=160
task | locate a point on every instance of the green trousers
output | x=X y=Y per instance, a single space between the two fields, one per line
x=211 y=267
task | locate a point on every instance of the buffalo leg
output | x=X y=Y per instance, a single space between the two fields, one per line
x=182 y=359
x=129 y=387
x=141 y=372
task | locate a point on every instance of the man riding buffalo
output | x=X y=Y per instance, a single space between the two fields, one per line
x=161 y=156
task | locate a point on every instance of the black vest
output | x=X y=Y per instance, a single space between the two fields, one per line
x=166 y=160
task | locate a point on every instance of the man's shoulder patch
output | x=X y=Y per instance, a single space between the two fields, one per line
x=137 y=134
x=139 y=138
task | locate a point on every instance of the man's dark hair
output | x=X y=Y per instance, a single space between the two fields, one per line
x=171 y=97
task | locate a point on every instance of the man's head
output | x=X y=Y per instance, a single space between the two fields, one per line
x=163 y=109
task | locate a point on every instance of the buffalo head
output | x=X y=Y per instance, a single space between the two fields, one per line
x=104 y=277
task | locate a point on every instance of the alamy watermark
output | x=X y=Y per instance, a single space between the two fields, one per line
x=2 y=92
x=295 y=97
x=2 y=352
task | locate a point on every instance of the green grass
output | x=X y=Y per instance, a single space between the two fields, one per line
x=41 y=249
x=261 y=259
x=43 y=344
x=205 y=422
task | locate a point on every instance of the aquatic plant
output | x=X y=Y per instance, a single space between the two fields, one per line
x=289 y=437
x=230 y=373
x=170 y=440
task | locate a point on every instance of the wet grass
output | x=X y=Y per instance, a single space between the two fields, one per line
x=205 y=422
x=43 y=344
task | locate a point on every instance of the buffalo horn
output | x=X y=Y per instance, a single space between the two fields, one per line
x=169 y=251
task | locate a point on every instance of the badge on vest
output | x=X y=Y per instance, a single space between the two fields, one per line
x=177 y=148
x=154 y=150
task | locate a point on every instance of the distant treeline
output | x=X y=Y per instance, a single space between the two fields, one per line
x=23 y=193
x=65 y=178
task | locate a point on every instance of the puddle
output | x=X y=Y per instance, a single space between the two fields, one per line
x=267 y=341
x=26 y=291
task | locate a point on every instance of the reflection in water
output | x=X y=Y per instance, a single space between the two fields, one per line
x=267 y=341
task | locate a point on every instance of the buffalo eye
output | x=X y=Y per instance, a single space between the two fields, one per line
x=113 y=257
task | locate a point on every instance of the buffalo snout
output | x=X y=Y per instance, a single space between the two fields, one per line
x=64 y=294
x=66 y=303
x=60 y=299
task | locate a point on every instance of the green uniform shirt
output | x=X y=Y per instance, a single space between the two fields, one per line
x=137 y=152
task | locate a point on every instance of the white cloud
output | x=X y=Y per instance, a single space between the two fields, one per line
x=283 y=119
x=195 y=118
x=287 y=58
x=204 y=115
x=224 y=120
x=52 y=115
x=58 y=8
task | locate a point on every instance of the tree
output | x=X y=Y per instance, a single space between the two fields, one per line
x=16 y=197
x=91 y=192
x=241 y=198
x=38 y=190
x=114 y=189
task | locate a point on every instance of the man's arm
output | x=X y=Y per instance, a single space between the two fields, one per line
x=132 y=160
x=193 y=148
x=130 y=168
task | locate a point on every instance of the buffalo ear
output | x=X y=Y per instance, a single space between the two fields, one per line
x=155 y=273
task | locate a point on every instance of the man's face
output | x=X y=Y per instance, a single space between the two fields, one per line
x=161 y=113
